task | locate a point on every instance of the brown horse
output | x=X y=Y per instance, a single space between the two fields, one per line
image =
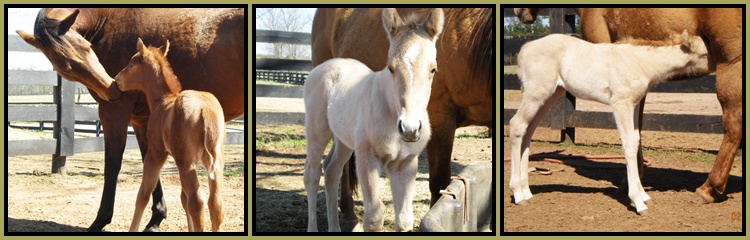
x=207 y=54
x=722 y=30
x=463 y=91
x=189 y=125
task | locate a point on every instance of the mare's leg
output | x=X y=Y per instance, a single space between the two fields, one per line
x=624 y=113
x=215 y=201
x=151 y=167
x=158 y=207
x=403 y=178
x=334 y=163
x=369 y=181
x=440 y=147
x=534 y=105
x=318 y=135
x=114 y=118
x=729 y=91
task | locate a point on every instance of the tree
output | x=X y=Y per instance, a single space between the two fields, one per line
x=284 y=19
x=516 y=28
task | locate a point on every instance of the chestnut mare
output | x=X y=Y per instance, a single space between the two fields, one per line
x=463 y=92
x=207 y=54
x=721 y=28
x=189 y=125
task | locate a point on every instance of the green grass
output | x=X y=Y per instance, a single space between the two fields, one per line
x=483 y=135
x=279 y=141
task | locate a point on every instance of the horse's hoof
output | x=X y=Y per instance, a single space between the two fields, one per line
x=523 y=203
x=151 y=229
x=349 y=225
x=701 y=198
x=643 y=212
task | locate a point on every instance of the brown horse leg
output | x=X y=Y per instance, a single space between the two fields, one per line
x=215 y=201
x=159 y=207
x=195 y=202
x=439 y=150
x=346 y=202
x=729 y=92
x=115 y=126
x=151 y=168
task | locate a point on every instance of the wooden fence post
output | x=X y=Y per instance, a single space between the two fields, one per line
x=559 y=22
x=64 y=98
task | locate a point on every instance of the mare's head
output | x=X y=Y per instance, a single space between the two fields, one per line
x=69 y=52
x=526 y=15
x=148 y=69
x=412 y=64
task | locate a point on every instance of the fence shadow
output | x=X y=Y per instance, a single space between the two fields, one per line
x=23 y=225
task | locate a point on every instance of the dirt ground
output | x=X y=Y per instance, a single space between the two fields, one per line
x=280 y=199
x=38 y=201
x=585 y=199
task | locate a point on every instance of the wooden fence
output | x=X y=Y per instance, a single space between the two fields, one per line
x=291 y=71
x=563 y=115
x=63 y=113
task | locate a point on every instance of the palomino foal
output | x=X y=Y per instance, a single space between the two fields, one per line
x=381 y=116
x=615 y=74
x=187 y=124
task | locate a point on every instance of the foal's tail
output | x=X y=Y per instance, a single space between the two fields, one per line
x=213 y=138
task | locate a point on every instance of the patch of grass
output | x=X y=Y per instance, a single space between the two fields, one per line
x=227 y=173
x=273 y=141
x=482 y=135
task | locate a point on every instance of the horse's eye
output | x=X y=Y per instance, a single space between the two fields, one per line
x=390 y=69
x=433 y=71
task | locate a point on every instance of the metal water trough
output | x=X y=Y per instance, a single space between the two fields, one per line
x=462 y=208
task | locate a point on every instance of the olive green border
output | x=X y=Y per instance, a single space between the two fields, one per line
x=250 y=60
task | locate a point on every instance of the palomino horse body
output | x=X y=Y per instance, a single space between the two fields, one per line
x=381 y=116
x=721 y=28
x=189 y=125
x=615 y=74
x=462 y=93
x=207 y=54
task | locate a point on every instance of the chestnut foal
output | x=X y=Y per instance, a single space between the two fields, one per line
x=188 y=124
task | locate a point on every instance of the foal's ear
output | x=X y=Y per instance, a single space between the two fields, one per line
x=391 y=21
x=686 y=39
x=165 y=48
x=66 y=23
x=139 y=46
x=29 y=38
x=433 y=25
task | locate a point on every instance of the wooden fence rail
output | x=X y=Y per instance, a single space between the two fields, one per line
x=563 y=115
x=63 y=113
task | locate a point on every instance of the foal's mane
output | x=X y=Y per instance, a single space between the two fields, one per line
x=170 y=79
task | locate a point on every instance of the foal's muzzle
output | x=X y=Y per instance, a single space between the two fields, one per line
x=409 y=132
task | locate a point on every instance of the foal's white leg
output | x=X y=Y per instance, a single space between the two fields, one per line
x=334 y=164
x=623 y=112
x=318 y=136
x=636 y=123
x=403 y=179
x=534 y=105
x=368 y=171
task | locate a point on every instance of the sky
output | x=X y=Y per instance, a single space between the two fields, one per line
x=23 y=19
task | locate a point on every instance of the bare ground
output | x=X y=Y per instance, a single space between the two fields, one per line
x=280 y=199
x=38 y=201
x=586 y=199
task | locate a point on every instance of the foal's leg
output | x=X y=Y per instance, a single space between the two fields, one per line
x=318 y=135
x=403 y=179
x=368 y=171
x=624 y=116
x=534 y=105
x=334 y=164
x=152 y=165
x=215 y=201
x=195 y=202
